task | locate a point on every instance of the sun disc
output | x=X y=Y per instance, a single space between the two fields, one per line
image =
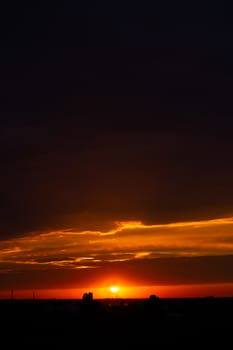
x=114 y=289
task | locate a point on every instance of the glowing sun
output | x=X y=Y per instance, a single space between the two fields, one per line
x=114 y=289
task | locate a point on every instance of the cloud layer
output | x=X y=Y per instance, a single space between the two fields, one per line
x=175 y=253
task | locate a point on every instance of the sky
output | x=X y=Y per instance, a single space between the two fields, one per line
x=116 y=149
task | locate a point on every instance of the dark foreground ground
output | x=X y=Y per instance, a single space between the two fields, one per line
x=117 y=324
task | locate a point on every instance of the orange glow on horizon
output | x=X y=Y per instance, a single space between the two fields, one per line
x=134 y=292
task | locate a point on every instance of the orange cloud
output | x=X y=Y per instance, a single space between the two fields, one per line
x=127 y=241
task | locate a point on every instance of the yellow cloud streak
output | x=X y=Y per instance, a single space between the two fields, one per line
x=134 y=239
x=121 y=225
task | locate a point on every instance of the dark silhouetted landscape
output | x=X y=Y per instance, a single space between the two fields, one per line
x=112 y=323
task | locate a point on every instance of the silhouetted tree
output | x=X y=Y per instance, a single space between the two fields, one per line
x=88 y=296
x=91 y=308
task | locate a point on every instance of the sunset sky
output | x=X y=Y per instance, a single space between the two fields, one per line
x=116 y=150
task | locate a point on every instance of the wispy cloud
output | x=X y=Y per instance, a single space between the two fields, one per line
x=127 y=241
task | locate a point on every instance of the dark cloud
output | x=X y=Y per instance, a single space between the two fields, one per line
x=154 y=177
x=109 y=115
x=174 y=271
